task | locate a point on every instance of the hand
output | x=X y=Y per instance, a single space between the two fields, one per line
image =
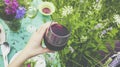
x=32 y=48
x=34 y=45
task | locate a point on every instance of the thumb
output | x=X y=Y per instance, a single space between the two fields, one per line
x=45 y=50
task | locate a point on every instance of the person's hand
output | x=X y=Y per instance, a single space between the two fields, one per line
x=32 y=48
x=34 y=45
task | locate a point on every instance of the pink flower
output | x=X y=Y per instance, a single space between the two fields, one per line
x=11 y=6
x=28 y=65
x=7 y=1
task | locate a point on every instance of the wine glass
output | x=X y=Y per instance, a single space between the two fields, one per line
x=56 y=37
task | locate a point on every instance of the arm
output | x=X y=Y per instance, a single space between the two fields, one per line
x=32 y=48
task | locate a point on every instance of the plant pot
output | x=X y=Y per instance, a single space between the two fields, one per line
x=13 y=25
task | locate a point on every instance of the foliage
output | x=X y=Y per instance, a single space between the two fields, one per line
x=93 y=25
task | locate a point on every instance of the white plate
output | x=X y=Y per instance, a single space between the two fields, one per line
x=40 y=60
x=2 y=34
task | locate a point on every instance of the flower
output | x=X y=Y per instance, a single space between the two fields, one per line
x=110 y=28
x=11 y=6
x=67 y=10
x=99 y=25
x=20 y=12
x=97 y=6
x=83 y=38
x=103 y=32
x=46 y=8
x=117 y=19
x=6 y=1
x=90 y=12
x=12 y=11
x=81 y=1
x=97 y=1
x=71 y=49
x=28 y=65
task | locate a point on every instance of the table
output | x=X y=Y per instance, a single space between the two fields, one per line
x=18 y=40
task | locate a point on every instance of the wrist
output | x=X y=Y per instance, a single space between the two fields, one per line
x=23 y=54
x=26 y=54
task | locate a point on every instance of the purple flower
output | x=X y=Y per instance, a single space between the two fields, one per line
x=28 y=65
x=7 y=1
x=14 y=4
x=9 y=11
x=11 y=6
x=103 y=32
x=20 y=12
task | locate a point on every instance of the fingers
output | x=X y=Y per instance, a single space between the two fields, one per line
x=50 y=25
x=44 y=27
x=41 y=31
x=45 y=50
x=54 y=22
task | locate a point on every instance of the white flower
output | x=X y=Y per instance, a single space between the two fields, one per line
x=31 y=28
x=71 y=49
x=103 y=32
x=99 y=25
x=97 y=6
x=50 y=8
x=110 y=28
x=117 y=19
x=97 y=1
x=90 y=12
x=67 y=10
x=83 y=38
x=81 y=1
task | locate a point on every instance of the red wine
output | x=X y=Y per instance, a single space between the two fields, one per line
x=56 y=38
x=52 y=47
x=59 y=30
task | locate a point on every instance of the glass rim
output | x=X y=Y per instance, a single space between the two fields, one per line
x=67 y=35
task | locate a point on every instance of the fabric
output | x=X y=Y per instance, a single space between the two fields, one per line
x=18 y=40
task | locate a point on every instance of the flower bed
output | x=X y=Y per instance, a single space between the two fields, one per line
x=94 y=23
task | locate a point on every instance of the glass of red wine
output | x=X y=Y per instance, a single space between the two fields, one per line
x=56 y=37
